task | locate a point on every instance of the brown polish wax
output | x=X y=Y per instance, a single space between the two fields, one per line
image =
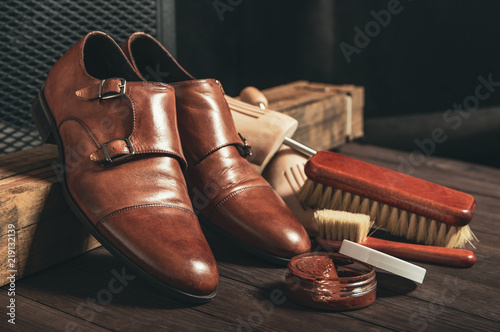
x=330 y=281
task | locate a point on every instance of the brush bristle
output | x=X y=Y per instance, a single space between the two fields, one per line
x=396 y=221
x=340 y=225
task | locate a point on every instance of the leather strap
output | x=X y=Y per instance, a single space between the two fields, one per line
x=242 y=146
x=110 y=151
x=107 y=88
x=121 y=149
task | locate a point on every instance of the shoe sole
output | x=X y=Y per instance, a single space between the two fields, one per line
x=238 y=243
x=48 y=131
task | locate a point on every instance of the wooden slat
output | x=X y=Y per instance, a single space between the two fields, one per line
x=27 y=160
x=138 y=307
x=32 y=316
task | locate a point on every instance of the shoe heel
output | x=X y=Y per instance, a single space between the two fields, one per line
x=39 y=113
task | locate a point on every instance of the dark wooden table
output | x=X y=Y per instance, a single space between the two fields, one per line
x=450 y=299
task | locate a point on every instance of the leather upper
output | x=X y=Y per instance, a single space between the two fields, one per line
x=222 y=183
x=124 y=162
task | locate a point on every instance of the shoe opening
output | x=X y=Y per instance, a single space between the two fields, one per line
x=103 y=59
x=154 y=63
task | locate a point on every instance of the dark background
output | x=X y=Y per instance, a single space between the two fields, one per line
x=426 y=59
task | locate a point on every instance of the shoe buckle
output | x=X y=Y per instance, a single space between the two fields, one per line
x=110 y=159
x=244 y=149
x=122 y=86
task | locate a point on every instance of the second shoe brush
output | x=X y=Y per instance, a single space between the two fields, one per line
x=335 y=226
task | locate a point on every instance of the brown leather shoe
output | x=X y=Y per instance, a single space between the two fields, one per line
x=233 y=198
x=123 y=162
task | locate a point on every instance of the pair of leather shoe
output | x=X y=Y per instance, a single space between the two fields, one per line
x=129 y=146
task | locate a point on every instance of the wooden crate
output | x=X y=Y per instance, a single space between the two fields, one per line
x=32 y=203
x=328 y=115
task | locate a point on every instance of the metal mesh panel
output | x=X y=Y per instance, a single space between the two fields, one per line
x=34 y=34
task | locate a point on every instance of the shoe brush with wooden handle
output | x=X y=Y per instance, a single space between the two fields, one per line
x=335 y=226
x=403 y=205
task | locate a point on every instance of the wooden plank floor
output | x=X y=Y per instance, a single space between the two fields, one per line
x=62 y=298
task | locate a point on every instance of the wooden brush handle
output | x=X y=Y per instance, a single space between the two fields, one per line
x=406 y=192
x=418 y=252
